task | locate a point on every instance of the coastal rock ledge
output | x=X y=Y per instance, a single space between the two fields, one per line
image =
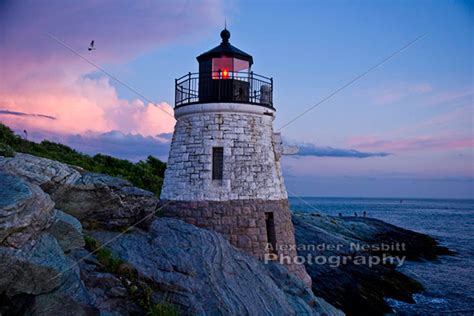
x=64 y=251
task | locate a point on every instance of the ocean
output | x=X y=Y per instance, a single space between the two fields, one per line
x=448 y=282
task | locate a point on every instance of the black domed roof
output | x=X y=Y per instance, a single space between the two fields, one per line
x=225 y=35
x=225 y=49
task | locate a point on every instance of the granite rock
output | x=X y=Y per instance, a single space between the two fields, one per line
x=25 y=210
x=67 y=230
x=47 y=173
x=200 y=273
x=95 y=199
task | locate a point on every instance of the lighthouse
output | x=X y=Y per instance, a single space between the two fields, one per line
x=223 y=172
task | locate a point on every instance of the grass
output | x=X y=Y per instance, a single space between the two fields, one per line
x=156 y=309
x=106 y=258
x=138 y=290
x=147 y=174
x=162 y=309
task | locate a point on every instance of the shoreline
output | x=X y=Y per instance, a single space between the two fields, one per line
x=362 y=288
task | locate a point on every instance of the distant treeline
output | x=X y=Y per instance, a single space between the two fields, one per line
x=146 y=174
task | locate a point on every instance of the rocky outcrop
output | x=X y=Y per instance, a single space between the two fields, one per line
x=45 y=270
x=355 y=286
x=37 y=275
x=101 y=201
x=110 y=294
x=67 y=230
x=371 y=231
x=200 y=273
x=25 y=210
x=34 y=269
x=95 y=199
x=49 y=174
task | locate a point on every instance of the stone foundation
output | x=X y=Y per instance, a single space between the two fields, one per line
x=244 y=224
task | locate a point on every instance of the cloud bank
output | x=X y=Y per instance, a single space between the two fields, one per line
x=306 y=149
x=45 y=87
x=114 y=143
x=416 y=144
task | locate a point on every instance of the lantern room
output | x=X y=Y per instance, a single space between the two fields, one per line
x=224 y=61
x=224 y=75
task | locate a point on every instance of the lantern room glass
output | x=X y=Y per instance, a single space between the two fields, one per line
x=225 y=67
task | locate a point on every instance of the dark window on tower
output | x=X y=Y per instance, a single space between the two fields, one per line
x=217 y=163
x=271 y=235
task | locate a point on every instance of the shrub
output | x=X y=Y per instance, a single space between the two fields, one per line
x=6 y=150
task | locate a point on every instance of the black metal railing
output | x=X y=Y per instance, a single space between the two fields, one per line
x=223 y=86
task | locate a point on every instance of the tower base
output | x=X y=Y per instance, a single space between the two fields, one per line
x=262 y=228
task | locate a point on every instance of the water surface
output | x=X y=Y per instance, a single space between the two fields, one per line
x=448 y=282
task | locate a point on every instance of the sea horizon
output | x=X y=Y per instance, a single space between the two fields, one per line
x=381 y=198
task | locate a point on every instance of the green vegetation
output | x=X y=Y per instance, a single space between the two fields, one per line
x=156 y=309
x=138 y=290
x=147 y=174
x=6 y=150
x=110 y=263
x=162 y=309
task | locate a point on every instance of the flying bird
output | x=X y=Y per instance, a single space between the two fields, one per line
x=91 y=46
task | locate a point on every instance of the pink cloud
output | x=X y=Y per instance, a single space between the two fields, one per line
x=462 y=96
x=87 y=105
x=454 y=119
x=411 y=144
x=396 y=92
x=41 y=77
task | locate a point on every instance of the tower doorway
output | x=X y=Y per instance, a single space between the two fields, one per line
x=271 y=234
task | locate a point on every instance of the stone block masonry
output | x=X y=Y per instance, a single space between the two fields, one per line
x=244 y=224
x=251 y=168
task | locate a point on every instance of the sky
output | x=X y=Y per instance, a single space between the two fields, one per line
x=405 y=129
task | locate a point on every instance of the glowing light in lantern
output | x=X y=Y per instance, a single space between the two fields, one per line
x=225 y=73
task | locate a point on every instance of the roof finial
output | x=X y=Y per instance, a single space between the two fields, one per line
x=225 y=34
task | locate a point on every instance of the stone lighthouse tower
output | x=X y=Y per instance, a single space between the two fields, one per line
x=223 y=169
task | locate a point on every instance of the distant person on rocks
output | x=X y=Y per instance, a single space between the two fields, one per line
x=355 y=214
x=340 y=214
x=365 y=214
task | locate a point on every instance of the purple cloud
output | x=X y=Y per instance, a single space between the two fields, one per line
x=7 y=112
x=117 y=144
x=306 y=149
x=45 y=77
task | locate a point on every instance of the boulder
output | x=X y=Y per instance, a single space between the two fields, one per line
x=25 y=210
x=36 y=278
x=200 y=273
x=44 y=279
x=67 y=230
x=49 y=174
x=97 y=200
x=33 y=269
